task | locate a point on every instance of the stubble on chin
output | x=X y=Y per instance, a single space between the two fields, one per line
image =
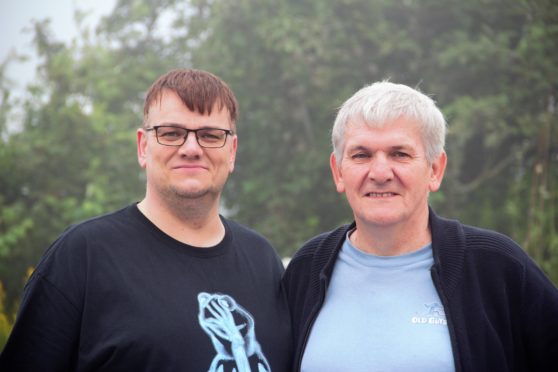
x=178 y=195
x=187 y=204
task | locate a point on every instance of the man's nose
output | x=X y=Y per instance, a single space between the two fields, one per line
x=380 y=169
x=190 y=146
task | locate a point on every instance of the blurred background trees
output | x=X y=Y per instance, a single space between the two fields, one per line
x=67 y=148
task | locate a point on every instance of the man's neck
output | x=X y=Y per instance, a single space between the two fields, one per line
x=190 y=221
x=391 y=240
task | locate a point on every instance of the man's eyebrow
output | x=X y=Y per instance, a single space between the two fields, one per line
x=402 y=147
x=392 y=148
x=184 y=126
x=177 y=125
x=358 y=148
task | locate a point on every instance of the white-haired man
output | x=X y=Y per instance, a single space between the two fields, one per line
x=402 y=289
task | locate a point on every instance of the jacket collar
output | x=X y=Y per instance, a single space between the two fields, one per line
x=448 y=248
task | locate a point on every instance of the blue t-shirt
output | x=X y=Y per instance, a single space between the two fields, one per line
x=380 y=314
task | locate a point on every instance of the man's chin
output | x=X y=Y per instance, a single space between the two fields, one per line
x=191 y=194
x=191 y=191
x=386 y=219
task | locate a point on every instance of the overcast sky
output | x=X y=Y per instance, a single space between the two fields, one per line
x=16 y=15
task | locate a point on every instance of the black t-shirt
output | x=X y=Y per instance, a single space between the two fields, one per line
x=115 y=293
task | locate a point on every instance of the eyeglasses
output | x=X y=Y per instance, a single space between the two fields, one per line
x=169 y=135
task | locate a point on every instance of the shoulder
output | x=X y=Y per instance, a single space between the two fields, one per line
x=489 y=243
x=478 y=250
x=104 y=223
x=452 y=235
x=498 y=255
x=109 y=221
x=308 y=249
x=66 y=262
x=72 y=244
x=244 y=234
x=318 y=253
x=481 y=239
x=325 y=242
x=481 y=264
x=255 y=244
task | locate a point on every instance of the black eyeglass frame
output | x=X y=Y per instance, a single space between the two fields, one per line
x=228 y=132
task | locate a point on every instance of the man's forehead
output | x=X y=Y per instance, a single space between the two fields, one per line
x=167 y=96
x=394 y=137
x=359 y=121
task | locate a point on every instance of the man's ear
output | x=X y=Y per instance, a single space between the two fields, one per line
x=336 y=173
x=232 y=157
x=141 y=140
x=437 y=169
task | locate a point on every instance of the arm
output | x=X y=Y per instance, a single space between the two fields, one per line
x=541 y=320
x=45 y=335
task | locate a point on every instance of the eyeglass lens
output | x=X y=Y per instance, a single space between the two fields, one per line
x=176 y=136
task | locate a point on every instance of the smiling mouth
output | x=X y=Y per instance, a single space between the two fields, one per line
x=191 y=166
x=380 y=194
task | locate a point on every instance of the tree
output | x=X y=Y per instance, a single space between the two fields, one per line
x=491 y=65
x=73 y=155
x=293 y=62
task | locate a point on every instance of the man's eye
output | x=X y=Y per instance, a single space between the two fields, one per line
x=400 y=154
x=359 y=155
x=170 y=134
x=210 y=135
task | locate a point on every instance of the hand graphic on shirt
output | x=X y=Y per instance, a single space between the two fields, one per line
x=231 y=329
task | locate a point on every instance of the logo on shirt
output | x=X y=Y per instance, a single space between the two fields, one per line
x=232 y=332
x=434 y=314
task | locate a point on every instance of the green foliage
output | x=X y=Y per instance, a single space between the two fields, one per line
x=72 y=155
x=6 y=320
x=293 y=62
x=493 y=65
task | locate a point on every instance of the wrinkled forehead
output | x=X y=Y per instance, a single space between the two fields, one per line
x=400 y=132
x=359 y=121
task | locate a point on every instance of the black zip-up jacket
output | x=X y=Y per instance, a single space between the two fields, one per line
x=501 y=309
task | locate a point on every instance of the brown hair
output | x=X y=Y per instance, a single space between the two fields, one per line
x=199 y=90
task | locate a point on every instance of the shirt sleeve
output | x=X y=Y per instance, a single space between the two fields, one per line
x=46 y=332
x=540 y=320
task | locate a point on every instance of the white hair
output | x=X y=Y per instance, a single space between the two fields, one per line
x=378 y=104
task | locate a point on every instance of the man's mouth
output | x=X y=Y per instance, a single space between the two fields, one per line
x=380 y=194
x=190 y=166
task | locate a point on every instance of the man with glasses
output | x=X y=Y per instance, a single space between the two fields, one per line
x=166 y=284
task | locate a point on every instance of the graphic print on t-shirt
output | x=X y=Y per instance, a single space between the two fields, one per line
x=232 y=332
x=434 y=314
